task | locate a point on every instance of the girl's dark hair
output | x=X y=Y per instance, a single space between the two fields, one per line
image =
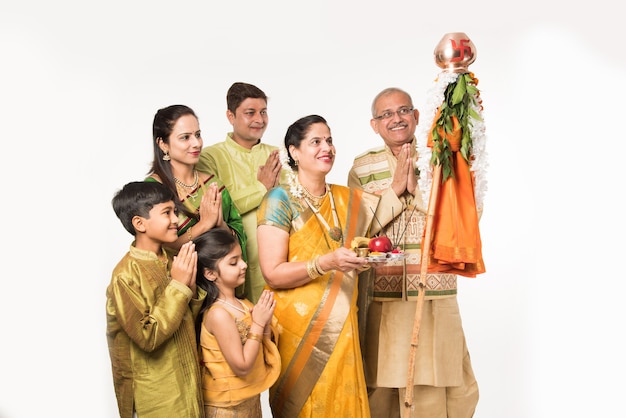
x=296 y=133
x=211 y=247
x=162 y=126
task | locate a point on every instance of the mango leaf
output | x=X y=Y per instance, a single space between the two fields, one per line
x=459 y=91
x=459 y=99
x=473 y=114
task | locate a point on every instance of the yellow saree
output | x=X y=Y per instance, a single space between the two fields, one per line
x=321 y=364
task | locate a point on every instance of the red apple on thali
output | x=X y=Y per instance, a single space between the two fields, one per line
x=380 y=244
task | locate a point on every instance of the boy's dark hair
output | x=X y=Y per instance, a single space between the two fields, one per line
x=137 y=198
x=239 y=92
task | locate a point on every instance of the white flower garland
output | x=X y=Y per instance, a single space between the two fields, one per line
x=295 y=188
x=479 y=163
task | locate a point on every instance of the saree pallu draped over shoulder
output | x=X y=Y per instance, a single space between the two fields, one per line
x=230 y=214
x=322 y=369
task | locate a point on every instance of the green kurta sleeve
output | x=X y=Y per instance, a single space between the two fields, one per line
x=234 y=221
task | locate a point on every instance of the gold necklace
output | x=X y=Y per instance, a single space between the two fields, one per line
x=234 y=307
x=315 y=200
x=335 y=232
x=188 y=186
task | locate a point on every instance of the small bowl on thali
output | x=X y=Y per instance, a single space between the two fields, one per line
x=375 y=257
x=397 y=256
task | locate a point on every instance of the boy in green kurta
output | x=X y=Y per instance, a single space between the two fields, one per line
x=152 y=303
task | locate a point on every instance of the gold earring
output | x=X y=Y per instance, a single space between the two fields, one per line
x=166 y=156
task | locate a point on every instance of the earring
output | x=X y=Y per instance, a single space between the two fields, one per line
x=166 y=156
x=295 y=162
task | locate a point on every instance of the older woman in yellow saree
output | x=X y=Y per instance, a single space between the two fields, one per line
x=304 y=232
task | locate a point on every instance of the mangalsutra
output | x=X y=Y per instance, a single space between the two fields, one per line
x=335 y=232
x=235 y=307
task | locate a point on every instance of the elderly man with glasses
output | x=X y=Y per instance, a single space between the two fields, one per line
x=444 y=383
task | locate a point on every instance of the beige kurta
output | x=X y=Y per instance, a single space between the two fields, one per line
x=392 y=292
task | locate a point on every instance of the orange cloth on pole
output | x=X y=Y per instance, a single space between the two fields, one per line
x=456 y=245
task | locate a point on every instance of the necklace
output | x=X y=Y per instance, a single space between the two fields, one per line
x=315 y=200
x=182 y=186
x=335 y=232
x=188 y=186
x=235 y=307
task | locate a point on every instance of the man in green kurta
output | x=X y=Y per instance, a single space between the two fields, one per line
x=248 y=167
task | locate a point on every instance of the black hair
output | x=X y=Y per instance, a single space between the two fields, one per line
x=162 y=127
x=239 y=92
x=211 y=246
x=137 y=198
x=297 y=131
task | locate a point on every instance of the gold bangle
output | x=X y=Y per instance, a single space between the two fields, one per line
x=254 y=322
x=311 y=270
x=189 y=233
x=318 y=267
x=257 y=337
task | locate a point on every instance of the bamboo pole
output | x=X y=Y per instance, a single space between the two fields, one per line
x=425 y=255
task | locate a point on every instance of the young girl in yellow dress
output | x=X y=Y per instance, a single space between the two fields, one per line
x=237 y=340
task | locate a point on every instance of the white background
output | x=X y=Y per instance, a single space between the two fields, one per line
x=80 y=83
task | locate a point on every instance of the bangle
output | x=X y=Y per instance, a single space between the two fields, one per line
x=254 y=322
x=257 y=337
x=311 y=270
x=318 y=267
x=189 y=233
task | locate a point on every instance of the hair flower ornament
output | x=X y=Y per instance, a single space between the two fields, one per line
x=292 y=178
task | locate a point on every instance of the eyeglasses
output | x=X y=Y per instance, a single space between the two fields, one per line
x=403 y=111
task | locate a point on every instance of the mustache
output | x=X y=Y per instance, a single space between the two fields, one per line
x=398 y=125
